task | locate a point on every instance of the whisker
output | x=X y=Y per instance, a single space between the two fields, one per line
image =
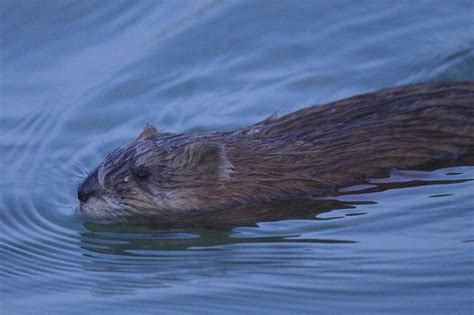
x=77 y=164
x=94 y=123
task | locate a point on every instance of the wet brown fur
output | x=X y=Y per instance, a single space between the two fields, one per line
x=311 y=152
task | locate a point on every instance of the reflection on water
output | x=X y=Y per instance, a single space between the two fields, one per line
x=80 y=78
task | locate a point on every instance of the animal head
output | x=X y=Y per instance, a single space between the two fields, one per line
x=159 y=175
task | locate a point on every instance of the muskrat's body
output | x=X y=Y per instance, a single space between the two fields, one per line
x=163 y=177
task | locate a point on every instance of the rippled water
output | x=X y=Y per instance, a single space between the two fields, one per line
x=79 y=78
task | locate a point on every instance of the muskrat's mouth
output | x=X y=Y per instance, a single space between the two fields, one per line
x=96 y=213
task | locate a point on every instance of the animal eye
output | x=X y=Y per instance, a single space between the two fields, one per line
x=142 y=174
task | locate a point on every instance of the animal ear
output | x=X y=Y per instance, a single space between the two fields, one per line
x=208 y=158
x=148 y=133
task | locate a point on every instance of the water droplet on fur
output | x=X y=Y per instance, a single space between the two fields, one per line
x=254 y=131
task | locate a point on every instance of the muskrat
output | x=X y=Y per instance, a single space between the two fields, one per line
x=167 y=178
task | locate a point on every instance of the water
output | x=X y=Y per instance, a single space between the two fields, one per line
x=80 y=78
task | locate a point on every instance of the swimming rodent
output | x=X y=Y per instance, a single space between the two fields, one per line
x=164 y=178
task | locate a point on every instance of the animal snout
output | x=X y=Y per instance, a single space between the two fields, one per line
x=84 y=193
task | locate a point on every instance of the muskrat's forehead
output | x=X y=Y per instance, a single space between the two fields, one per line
x=133 y=152
x=138 y=152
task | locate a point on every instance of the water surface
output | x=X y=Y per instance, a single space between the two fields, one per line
x=80 y=78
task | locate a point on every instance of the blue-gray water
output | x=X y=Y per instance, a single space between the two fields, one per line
x=79 y=78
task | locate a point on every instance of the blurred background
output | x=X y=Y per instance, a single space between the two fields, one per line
x=78 y=78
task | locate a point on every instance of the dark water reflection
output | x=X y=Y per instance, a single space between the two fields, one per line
x=80 y=78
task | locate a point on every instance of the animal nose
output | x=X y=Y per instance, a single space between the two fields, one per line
x=84 y=195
